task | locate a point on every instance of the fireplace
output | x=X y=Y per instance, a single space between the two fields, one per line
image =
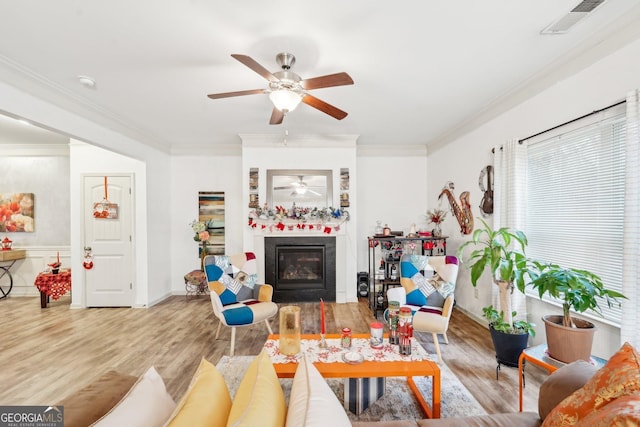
x=301 y=269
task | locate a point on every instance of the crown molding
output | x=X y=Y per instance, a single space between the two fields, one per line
x=34 y=150
x=298 y=141
x=392 y=150
x=29 y=82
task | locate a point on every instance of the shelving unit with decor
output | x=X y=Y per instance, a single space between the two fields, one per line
x=384 y=262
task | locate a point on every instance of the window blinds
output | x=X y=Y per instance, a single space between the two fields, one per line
x=575 y=200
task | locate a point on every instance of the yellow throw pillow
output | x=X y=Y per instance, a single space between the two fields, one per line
x=259 y=400
x=619 y=377
x=207 y=401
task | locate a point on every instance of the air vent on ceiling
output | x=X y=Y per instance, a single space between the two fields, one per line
x=578 y=13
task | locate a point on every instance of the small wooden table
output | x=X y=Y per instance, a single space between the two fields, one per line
x=8 y=256
x=538 y=355
x=52 y=285
x=371 y=369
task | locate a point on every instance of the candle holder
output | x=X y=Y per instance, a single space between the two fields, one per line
x=323 y=341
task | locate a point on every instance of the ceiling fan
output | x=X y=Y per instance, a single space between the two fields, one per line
x=299 y=187
x=286 y=88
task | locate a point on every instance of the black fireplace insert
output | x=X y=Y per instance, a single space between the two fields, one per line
x=301 y=268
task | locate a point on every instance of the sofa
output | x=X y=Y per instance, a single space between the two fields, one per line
x=576 y=394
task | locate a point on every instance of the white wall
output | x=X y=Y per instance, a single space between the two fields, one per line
x=87 y=160
x=392 y=188
x=386 y=183
x=309 y=152
x=154 y=276
x=191 y=174
x=601 y=84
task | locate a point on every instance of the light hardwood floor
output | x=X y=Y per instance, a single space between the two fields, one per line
x=48 y=353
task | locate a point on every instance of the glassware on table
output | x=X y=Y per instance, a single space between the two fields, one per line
x=378 y=228
x=345 y=340
x=405 y=330
x=290 y=330
x=376 y=339
x=392 y=313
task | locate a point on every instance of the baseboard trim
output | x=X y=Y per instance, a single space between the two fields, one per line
x=474 y=317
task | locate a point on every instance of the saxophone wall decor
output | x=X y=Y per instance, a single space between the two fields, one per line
x=462 y=211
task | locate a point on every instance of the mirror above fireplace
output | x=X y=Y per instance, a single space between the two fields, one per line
x=304 y=187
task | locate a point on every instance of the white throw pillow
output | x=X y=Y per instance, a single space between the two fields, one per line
x=448 y=272
x=312 y=402
x=147 y=404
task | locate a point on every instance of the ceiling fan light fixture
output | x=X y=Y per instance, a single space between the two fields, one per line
x=285 y=99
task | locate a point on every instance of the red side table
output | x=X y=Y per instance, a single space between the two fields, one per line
x=53 y=286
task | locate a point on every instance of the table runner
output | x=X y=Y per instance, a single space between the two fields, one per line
x=333 y=352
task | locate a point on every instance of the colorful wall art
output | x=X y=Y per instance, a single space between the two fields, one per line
x=211 y=213
x=16 y=212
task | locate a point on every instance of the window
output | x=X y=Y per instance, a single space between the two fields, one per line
x=575 y=199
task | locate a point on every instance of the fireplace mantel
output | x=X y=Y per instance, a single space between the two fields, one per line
x=335 y=152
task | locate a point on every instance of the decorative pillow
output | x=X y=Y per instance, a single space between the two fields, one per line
x=146 y=404
x=619 y=377
x=207 y=401
x=562 y=383
x=414 y=269
x=259 y=400
x=624 y=411
x=423 y=286
x=312 y=403
x=232 y=277
x=90 y=403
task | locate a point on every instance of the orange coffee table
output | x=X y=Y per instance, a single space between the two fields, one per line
x=369 y=368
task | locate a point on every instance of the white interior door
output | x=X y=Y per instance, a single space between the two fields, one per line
x=110 y=282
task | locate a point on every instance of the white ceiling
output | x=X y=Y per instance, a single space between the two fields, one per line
x=424 y=71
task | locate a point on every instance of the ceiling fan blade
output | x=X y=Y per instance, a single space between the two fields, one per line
x=251 y=63
x=237 y=93
x=338 y=79
x=324 y=107
x=314 y=192
x=276 y=117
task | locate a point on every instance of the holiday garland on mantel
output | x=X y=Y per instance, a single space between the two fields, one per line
x=324 y=220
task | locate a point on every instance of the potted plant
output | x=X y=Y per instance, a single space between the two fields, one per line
x=569 y=338
x=509 y=339
x=501 y=252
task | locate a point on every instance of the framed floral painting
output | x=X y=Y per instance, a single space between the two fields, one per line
x=16 y=212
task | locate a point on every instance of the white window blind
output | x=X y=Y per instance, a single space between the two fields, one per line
x=575 y=200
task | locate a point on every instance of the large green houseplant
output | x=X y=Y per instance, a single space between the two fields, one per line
x=501 y=253
x=569 y=338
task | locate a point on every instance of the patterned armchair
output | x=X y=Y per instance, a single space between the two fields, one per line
x=236 y=297
x=427 y=285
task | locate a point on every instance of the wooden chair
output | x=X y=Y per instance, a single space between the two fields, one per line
x=236 y=297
